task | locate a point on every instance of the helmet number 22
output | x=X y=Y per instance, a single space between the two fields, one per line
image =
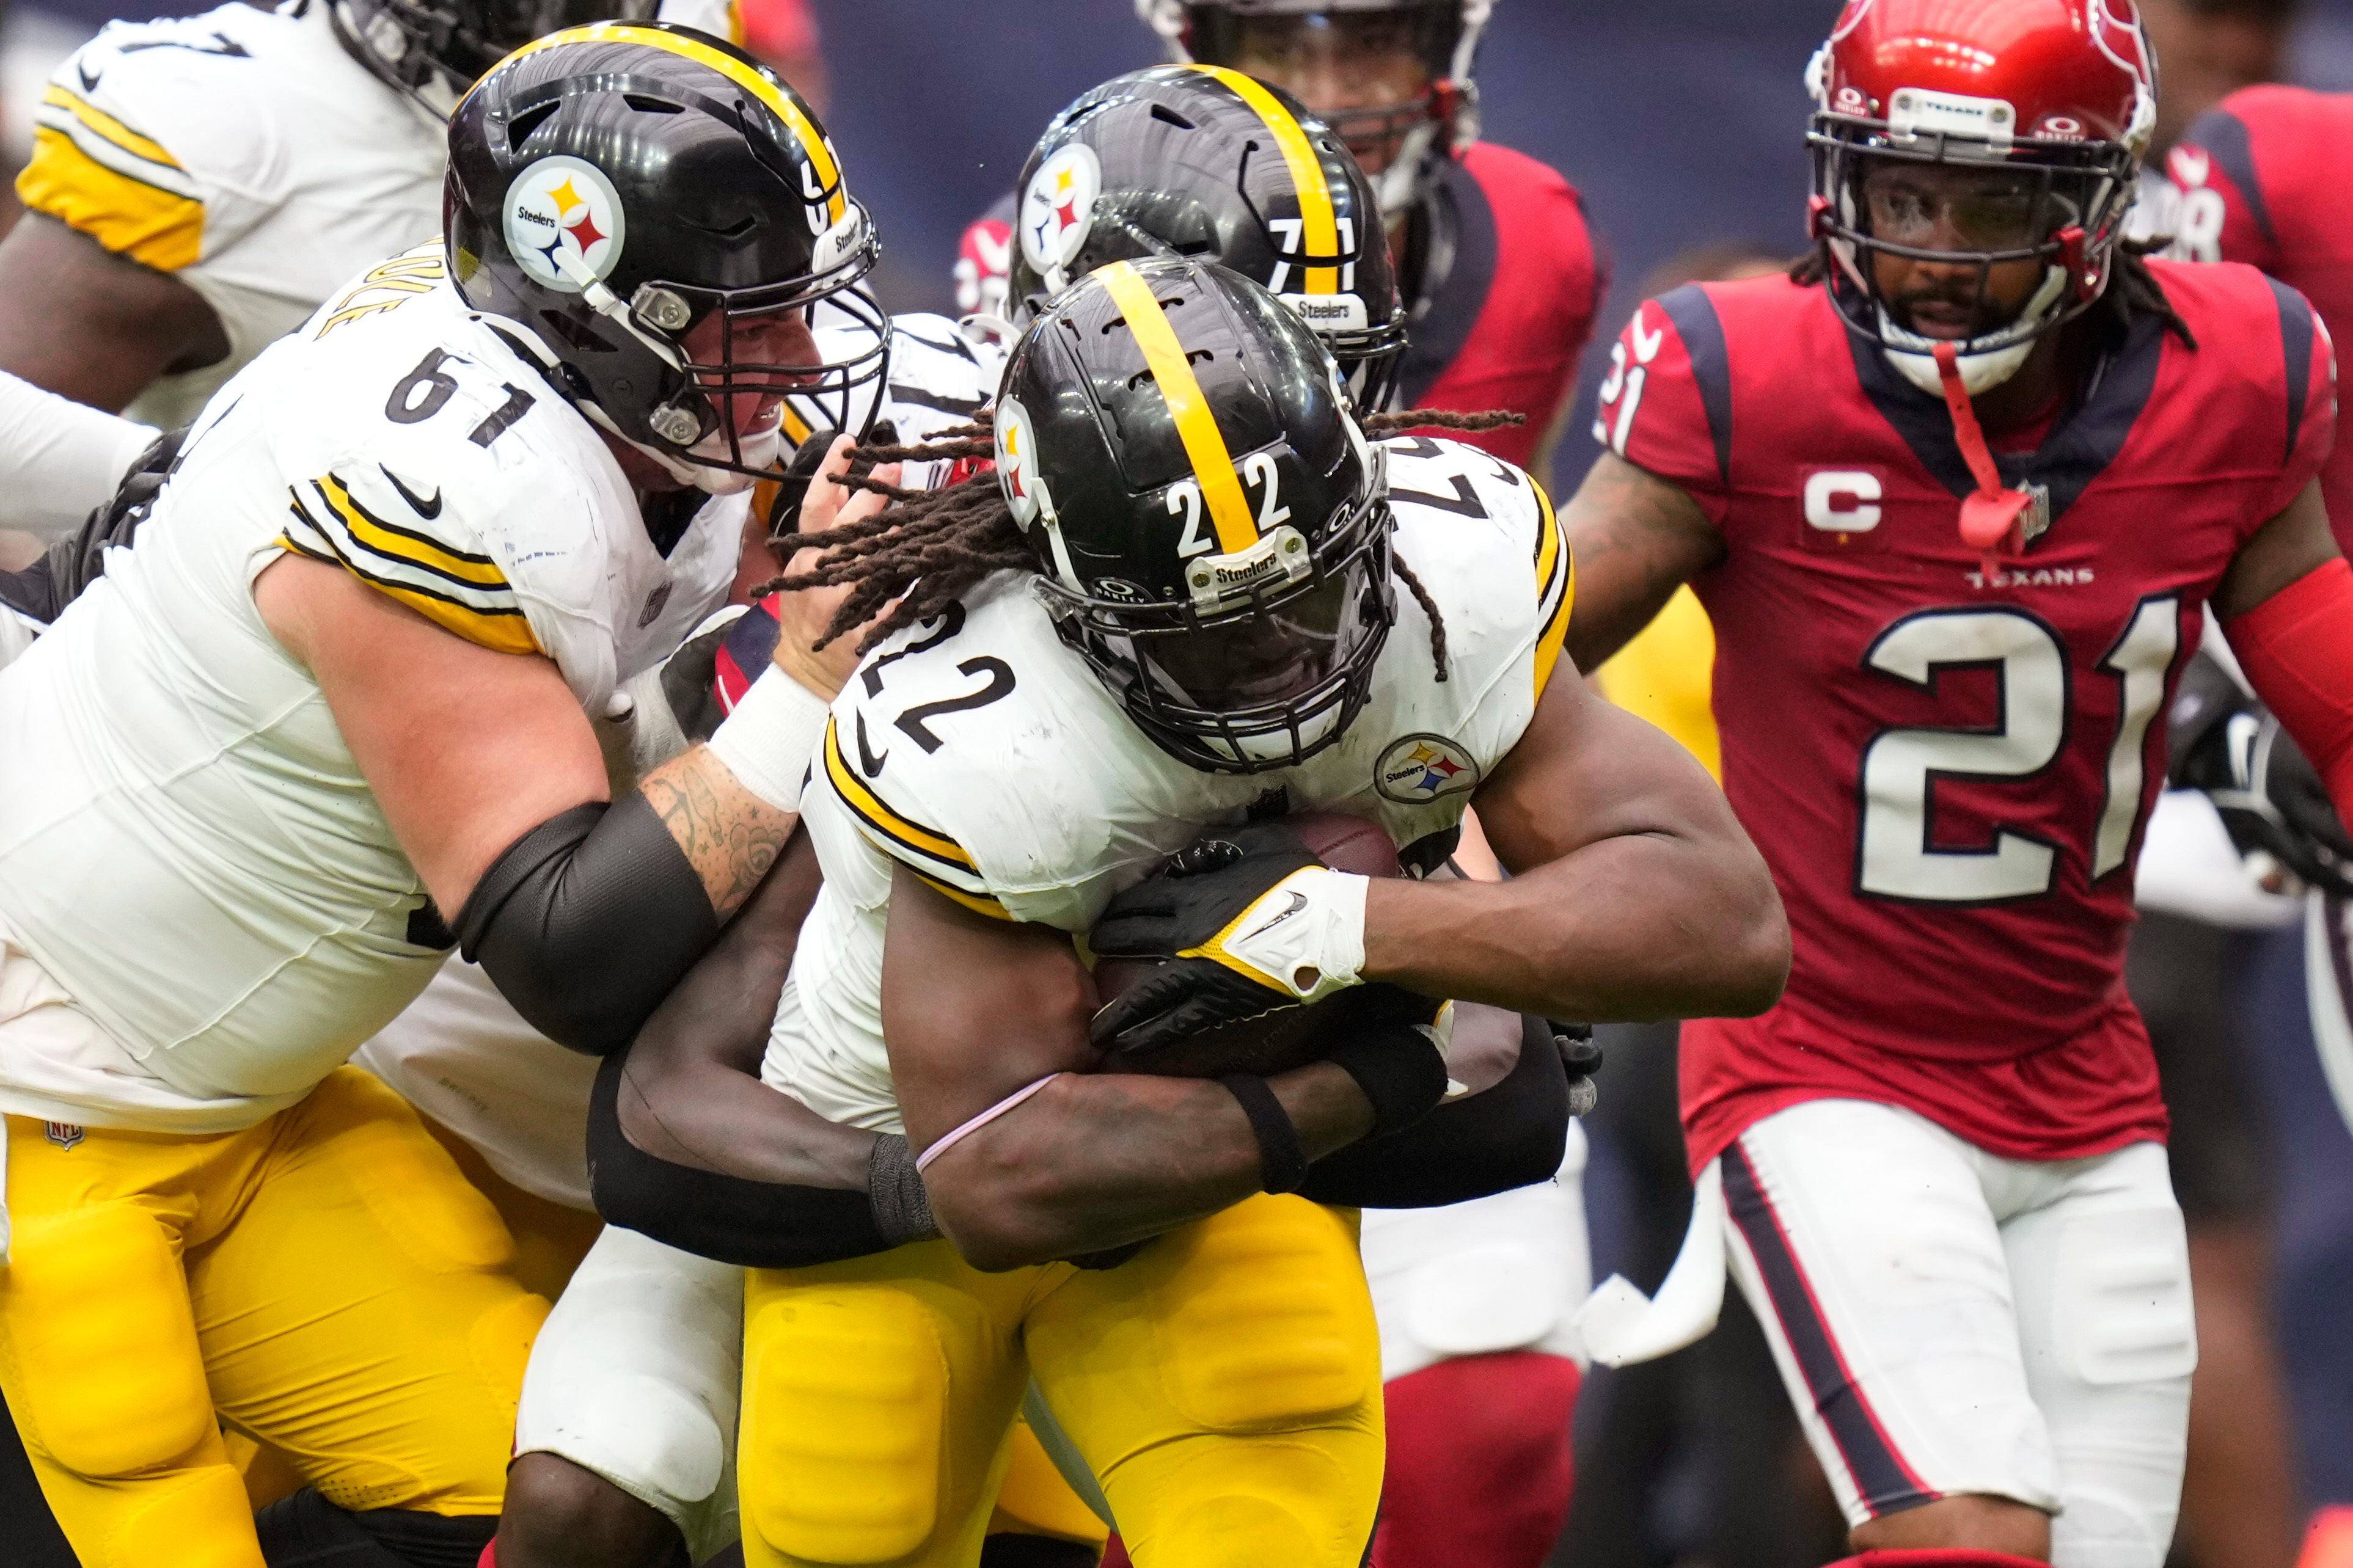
x=1902 y=766
x=1257 y=469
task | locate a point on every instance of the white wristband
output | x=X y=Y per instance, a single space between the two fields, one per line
x=1306 y=933
x=768 y=741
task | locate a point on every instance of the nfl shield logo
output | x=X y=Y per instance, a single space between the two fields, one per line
x=64 y=1134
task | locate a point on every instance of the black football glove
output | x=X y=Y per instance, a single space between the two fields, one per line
x=2270 y=797
x=1251 y=921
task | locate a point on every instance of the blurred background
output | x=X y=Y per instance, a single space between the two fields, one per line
x=1682 y=121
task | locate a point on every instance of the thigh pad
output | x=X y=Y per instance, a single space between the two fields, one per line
x=1265 y=1324
x=108 y=1368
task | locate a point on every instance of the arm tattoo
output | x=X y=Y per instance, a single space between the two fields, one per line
x=1635 y=537
x=730 y=836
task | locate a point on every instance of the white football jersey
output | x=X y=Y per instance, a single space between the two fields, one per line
x=189 y=850
x=245 y=151
x=462 y=1054
x=982 y=754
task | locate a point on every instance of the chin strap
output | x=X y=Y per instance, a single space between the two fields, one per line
x=1993 y=520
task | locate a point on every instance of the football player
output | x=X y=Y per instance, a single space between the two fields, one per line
x=1170 y=160
x=2251 y=178
x=1174 y=606
x=342 y=686
x=2254 y=180
x=1497 y=268
x=199 y=184
x=1914 y=485
x=1151 y=164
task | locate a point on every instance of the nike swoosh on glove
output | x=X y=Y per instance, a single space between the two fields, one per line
x=1248 y=921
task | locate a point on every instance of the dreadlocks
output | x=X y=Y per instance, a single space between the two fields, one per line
x=2133 y=290
x=930 y=547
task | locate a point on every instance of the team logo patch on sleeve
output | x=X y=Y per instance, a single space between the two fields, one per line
x=1417 y=769
x=1058 y=211
x=565 y=223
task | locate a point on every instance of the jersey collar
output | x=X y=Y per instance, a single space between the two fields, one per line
x=2079 y=444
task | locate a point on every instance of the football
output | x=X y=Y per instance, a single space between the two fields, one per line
x=1287 y=1036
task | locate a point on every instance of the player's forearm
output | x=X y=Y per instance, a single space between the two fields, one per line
x=732 y=805
x=691 y=1092
x=1633 y=928
x=61 y=459
x=1095 y=1162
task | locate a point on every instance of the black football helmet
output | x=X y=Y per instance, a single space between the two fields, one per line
x=614 y=188
x=1202 y=161
x=1212 y=530
x=1344 y=43
x=433 y=50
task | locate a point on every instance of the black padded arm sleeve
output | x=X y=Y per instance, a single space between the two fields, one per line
x=586 y=921
x=757 y=1224
x=1507 y=1136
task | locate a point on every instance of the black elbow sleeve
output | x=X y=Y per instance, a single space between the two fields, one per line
x=1511 y=1135
x=756 y=1224
x=586 y=921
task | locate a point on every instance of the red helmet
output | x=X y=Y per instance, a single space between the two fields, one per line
x=2057 y=95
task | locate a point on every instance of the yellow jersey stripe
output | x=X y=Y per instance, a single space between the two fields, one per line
x=1554 y=560
x=868 y=809
x=1320 y=229
x=153 y=226
x=1197 y=426
x=500 y=631
x=395 y=542
x=107 y=128
x=978 y=903
x=820 y=156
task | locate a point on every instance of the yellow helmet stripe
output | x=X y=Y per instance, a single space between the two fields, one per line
x=1320 y=233
x=820 y=156
x=1197 y=426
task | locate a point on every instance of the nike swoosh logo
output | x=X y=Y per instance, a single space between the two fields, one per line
x=868 y=763
x=89 y=77
x=1298 y=902
x=427 y=510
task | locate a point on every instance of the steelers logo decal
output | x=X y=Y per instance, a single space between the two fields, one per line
x=1419 y=769
x=1017 y=462
x=563 y=217
x=1058 y=211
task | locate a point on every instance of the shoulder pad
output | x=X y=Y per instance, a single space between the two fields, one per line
x=1483 y=538
x=444 y=471
x=976 y=751
x=133 y=147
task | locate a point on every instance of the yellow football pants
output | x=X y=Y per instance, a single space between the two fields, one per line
x=324 y=1281
x=1224 y=1384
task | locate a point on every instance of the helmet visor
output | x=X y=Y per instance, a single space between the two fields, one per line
x=1272 y=656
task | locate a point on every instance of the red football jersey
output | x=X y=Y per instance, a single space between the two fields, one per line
x=1502 y=325
x=1949 y=774
x=2262 y=179
x=1505 y=325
